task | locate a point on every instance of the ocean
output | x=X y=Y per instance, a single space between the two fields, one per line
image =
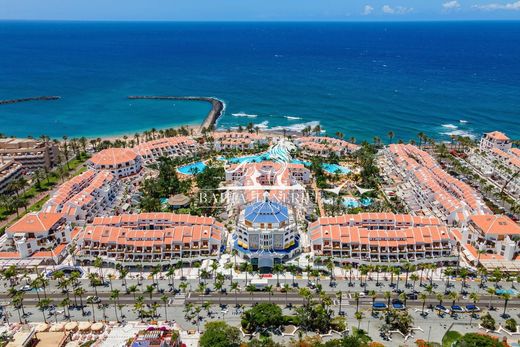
x=362 y=79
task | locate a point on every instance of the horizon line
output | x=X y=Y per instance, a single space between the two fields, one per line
x=372 y=20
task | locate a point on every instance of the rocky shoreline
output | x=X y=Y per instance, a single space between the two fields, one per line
x=217 y=108
x=34 y=98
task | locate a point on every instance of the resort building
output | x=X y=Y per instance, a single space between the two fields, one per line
x=171 y=147
x=372 y=238
x=155 y=337
x=267 y=234
x=498 y=161
x=85 y=196
x=283 y=181
x=149 y=239
x=324 y=146
x=237 y=140
x=32 y=154
x=40 y=235
x=427 y=189
x=10 y=171
x=492 y=241
x=495 y=139
x=122 y=162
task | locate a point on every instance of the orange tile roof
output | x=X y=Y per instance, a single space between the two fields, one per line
x=496 y=225
x=38 y=222
x=113 y=156
x=497 y=135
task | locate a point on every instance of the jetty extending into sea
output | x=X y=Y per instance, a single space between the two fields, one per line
x=217 y=106
x=33 y=98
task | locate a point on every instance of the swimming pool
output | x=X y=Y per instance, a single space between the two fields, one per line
x=247 y=159
x=298 y=161
x=355 y=203
x=192 y=169
x=333 y=168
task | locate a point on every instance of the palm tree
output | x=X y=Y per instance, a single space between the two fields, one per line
x=235 y=288
x=114 y=296
x=359 y=317
x=42 y=305
x=423 y=298
x=373 y=295
x=79 y=292
x=164 y=299
x=269 y=290
x=491 y=292
x=149 y=290
x=506 y=297
x=132 y=290
x=286 y=289
x=278 y=269
x=475 y=298
x=91 y=301
x=391 y=135
x=356 y=297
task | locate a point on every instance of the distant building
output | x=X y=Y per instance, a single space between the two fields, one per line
x=171 y=147
x=40 y=235
x=32 y=154
x=384 y=238
x=495 y=139
x=237 y=140
x=267 y=234
x=122 y=162
x=10 y=171
x=426 y=188
x=323 y=146
x=84 y=196
x=493 y=240
x=150 y=239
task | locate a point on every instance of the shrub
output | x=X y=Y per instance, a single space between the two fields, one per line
x=511 y=325
x=488 y=322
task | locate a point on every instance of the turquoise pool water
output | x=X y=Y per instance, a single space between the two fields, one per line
x=192 y=169
x=333 y=168
x=355 y=203
x=298 y=161
x=247 y=159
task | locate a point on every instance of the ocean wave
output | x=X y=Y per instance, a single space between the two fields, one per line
x=292 y=117
x=244 y=115
x=459 y=133
x=450 y=126
x=263 y=125
x=463 y=121
x=296 y=127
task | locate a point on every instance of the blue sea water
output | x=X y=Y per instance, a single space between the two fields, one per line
x=363 y=79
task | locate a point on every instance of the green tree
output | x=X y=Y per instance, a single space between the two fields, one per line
x=219 y=334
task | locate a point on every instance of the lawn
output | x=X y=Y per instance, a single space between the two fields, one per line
x=450 y=337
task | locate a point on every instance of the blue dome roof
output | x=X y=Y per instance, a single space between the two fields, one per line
x=266 y=212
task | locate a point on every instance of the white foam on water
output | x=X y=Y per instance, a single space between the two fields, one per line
x=296 y=127
x=463 y=121
x=450 y=126
x=459 y=133
x=263 y=125
x=244 y=115
x=292 y=117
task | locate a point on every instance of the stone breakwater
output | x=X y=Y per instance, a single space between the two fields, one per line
x=34 y=98
x=216 y=110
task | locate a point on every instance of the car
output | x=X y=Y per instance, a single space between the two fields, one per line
x=411 y=296
x=94 y=299
x=442 y=309
x=398 y=304
x=472 y=308
x=457 y=309
x=379 y=305
x=26 y=288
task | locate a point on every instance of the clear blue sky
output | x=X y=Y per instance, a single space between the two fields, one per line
x=260 y=10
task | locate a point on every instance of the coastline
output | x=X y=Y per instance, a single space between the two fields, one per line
x=217 y=106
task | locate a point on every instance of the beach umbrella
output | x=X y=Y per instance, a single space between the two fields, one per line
x=57 y=327
x=71 y=326
x=42 y=327
x=97 y=327
x=84 y=326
